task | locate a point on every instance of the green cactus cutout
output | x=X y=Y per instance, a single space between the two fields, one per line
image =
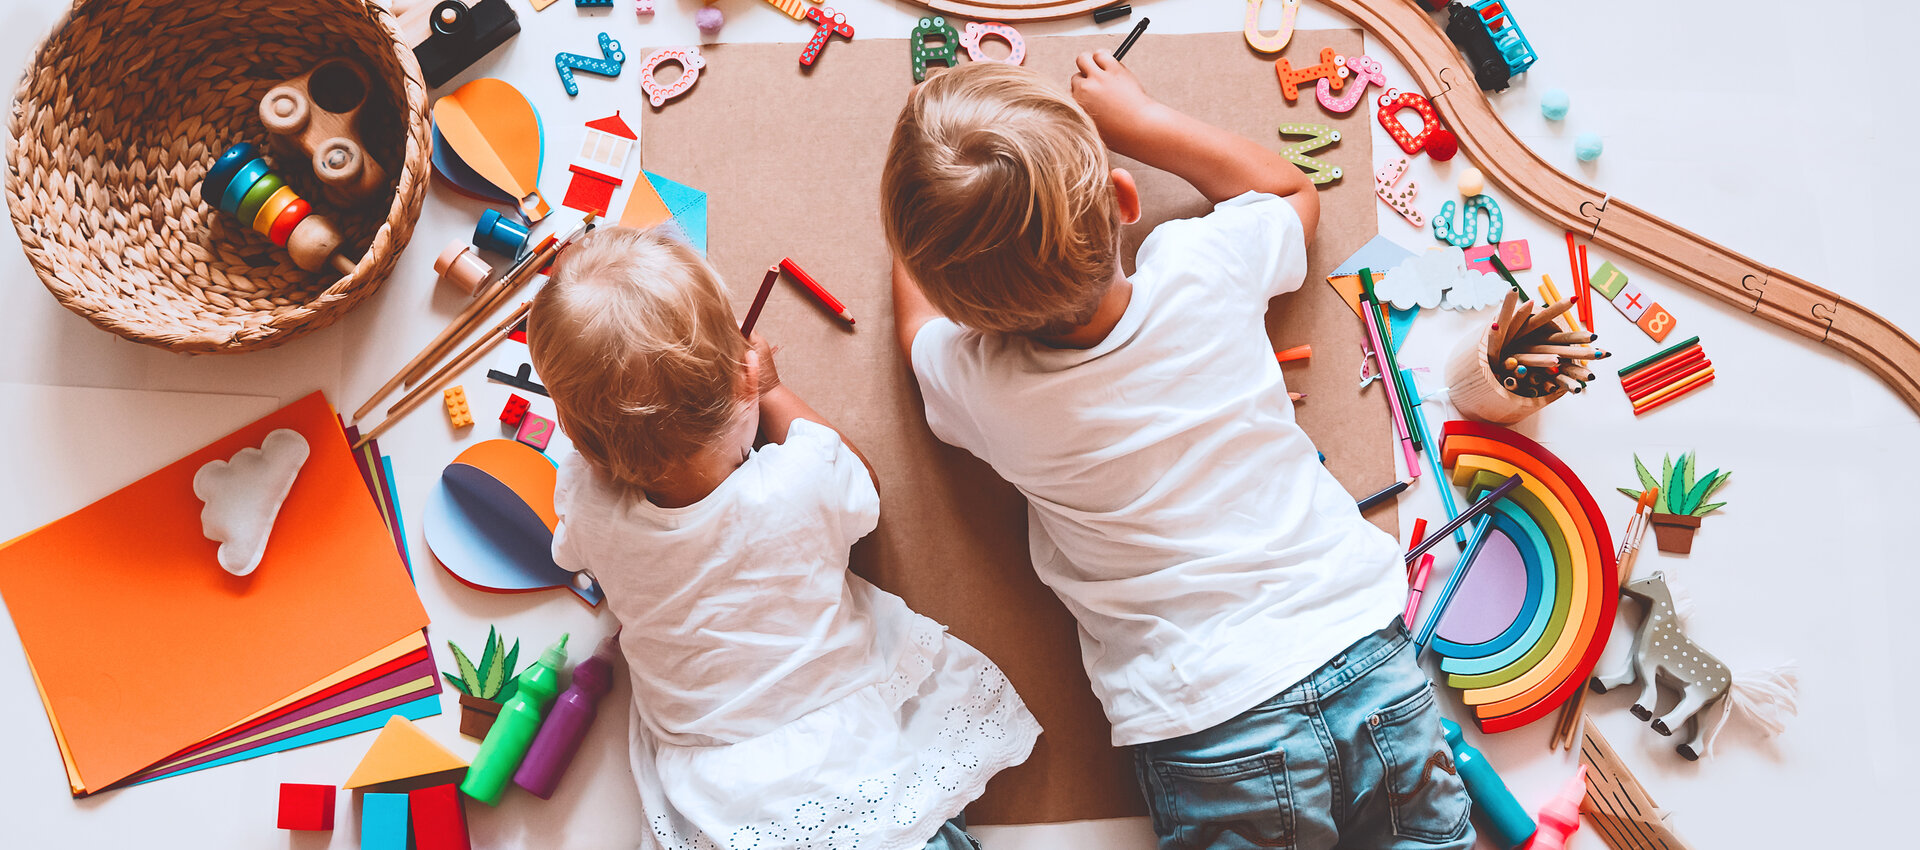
x=491 y=676
x=1680 y=493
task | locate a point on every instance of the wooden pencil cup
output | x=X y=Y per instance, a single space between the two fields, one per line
x=318 y=113
x=1476 y=391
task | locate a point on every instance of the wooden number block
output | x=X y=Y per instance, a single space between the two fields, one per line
x=1657 y=322
x=383 y=822
x=1631 y=301
x=1514 y=254
x=306 y=807
x=535 y=430
x=1608 y=281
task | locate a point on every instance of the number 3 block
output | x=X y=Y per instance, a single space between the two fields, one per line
x=1657 y=322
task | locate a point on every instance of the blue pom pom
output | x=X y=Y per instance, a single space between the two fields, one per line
x=1554 y=104
x=1588 y=147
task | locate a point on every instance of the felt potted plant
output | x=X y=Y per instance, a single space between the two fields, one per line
x=1683 y=500
x=485 y=686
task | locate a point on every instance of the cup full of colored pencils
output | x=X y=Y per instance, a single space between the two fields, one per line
x=1526 y=360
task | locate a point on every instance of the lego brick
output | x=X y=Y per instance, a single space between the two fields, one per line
x=515 y=410
x=457 y=411
x=306 y=807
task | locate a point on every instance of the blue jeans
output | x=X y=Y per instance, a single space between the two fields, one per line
x=953 y=836
x=1351 y=757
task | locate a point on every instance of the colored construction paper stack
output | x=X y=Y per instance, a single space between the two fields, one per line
x=152 y=661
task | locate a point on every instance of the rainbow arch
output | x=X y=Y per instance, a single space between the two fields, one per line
x=1528 y=623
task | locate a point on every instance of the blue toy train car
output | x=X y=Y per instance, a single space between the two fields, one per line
x=1496 y=48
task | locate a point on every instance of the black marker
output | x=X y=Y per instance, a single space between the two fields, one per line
x=1131 y=38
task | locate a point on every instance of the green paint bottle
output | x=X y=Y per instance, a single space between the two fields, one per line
x=506 y=744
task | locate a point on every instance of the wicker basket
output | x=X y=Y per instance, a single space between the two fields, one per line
x=126 y=105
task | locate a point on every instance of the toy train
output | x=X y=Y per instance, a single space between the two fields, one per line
x=1491 y=39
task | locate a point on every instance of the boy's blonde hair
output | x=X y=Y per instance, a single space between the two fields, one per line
x=635 y=338
x=997 y=199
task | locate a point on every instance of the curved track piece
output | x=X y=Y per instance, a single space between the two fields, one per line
x=1016 y=10
x=1773 y=295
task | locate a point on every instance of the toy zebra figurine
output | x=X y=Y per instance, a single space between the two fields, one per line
x=1663 y=651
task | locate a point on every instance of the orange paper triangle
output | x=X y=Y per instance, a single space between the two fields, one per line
x=402 y=752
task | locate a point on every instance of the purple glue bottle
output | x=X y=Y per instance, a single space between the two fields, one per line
x=553 y=749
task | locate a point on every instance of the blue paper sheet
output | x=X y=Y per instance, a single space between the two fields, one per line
x=423 y=707
x=687 y=205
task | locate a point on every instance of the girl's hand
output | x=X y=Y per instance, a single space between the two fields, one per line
x=1113 y=97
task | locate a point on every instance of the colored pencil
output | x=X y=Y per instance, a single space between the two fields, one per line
x=1477 y=508
x=1393 y=395
x=760 y=300
x=1586 y=291
x=1418 y=587
x=1475 y=543
x=1546 y=315
x=1659 y=374
x=1419 y=531
x=1387 y=492
x=1688 y=390
x=1433 y=461
x=1573 y=338
x=832 y=304
x=1393 y=362
x=1121 y=52
x=1573 y=352
x=1705 y=373
x=1550 y=293
x=1298 y=352
x=1660 y=355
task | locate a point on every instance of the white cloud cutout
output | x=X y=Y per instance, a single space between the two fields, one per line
x=1476 y=290
x=1440 y=277
x=243 y=497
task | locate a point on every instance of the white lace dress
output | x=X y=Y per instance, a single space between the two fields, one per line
x=781 y=702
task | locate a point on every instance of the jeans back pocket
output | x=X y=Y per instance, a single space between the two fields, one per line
x=1230 y=805
x=1425 y=795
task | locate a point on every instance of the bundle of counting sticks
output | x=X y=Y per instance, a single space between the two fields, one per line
x=1536 y=354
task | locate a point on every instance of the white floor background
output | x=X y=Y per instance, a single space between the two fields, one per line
x=1697 y=102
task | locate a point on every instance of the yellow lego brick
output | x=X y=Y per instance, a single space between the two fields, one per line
x=457 y=411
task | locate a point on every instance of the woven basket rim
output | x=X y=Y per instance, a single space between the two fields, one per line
x=322 y=307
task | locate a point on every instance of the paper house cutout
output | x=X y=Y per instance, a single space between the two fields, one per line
x=402 y=752
x=599 y=164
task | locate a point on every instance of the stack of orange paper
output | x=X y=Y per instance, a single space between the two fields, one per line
x=153 y=661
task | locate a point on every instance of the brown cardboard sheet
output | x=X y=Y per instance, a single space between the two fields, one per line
x=791 y=161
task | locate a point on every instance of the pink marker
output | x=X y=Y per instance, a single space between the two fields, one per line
x=1560 y=817
x=1418 y=587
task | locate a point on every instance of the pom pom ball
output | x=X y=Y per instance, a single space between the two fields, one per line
x=1588 y=147
x=709 y=19
x=1554 y=104
x=1442 y=145
x=1472 y=182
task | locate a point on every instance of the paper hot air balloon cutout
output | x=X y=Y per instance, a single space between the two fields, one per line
x=492 y=129
x=491 y=521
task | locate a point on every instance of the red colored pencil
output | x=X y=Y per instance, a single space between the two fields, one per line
x=1419 y=534
x=1579 y=280
x=1667 y=376
x=1586 y=292
x=1681 y=394
x=759 y=300
x=833 y=304
x=1646 y=376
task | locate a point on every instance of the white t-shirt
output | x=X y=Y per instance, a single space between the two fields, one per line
x=1173 y=504
x=781 y=701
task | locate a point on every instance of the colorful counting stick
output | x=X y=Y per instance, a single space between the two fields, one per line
x=1319 y=171
x=607 y=67
x=690 y=65
x=1365 y=69
x=831 y=23
x=1332 y=68
x=976 y=33
x=1386 y=184
x=1289 y=9
x=1469 y=229
x=240 y=183
x=1390 y=105
x=948 y=53
x=795 y=9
